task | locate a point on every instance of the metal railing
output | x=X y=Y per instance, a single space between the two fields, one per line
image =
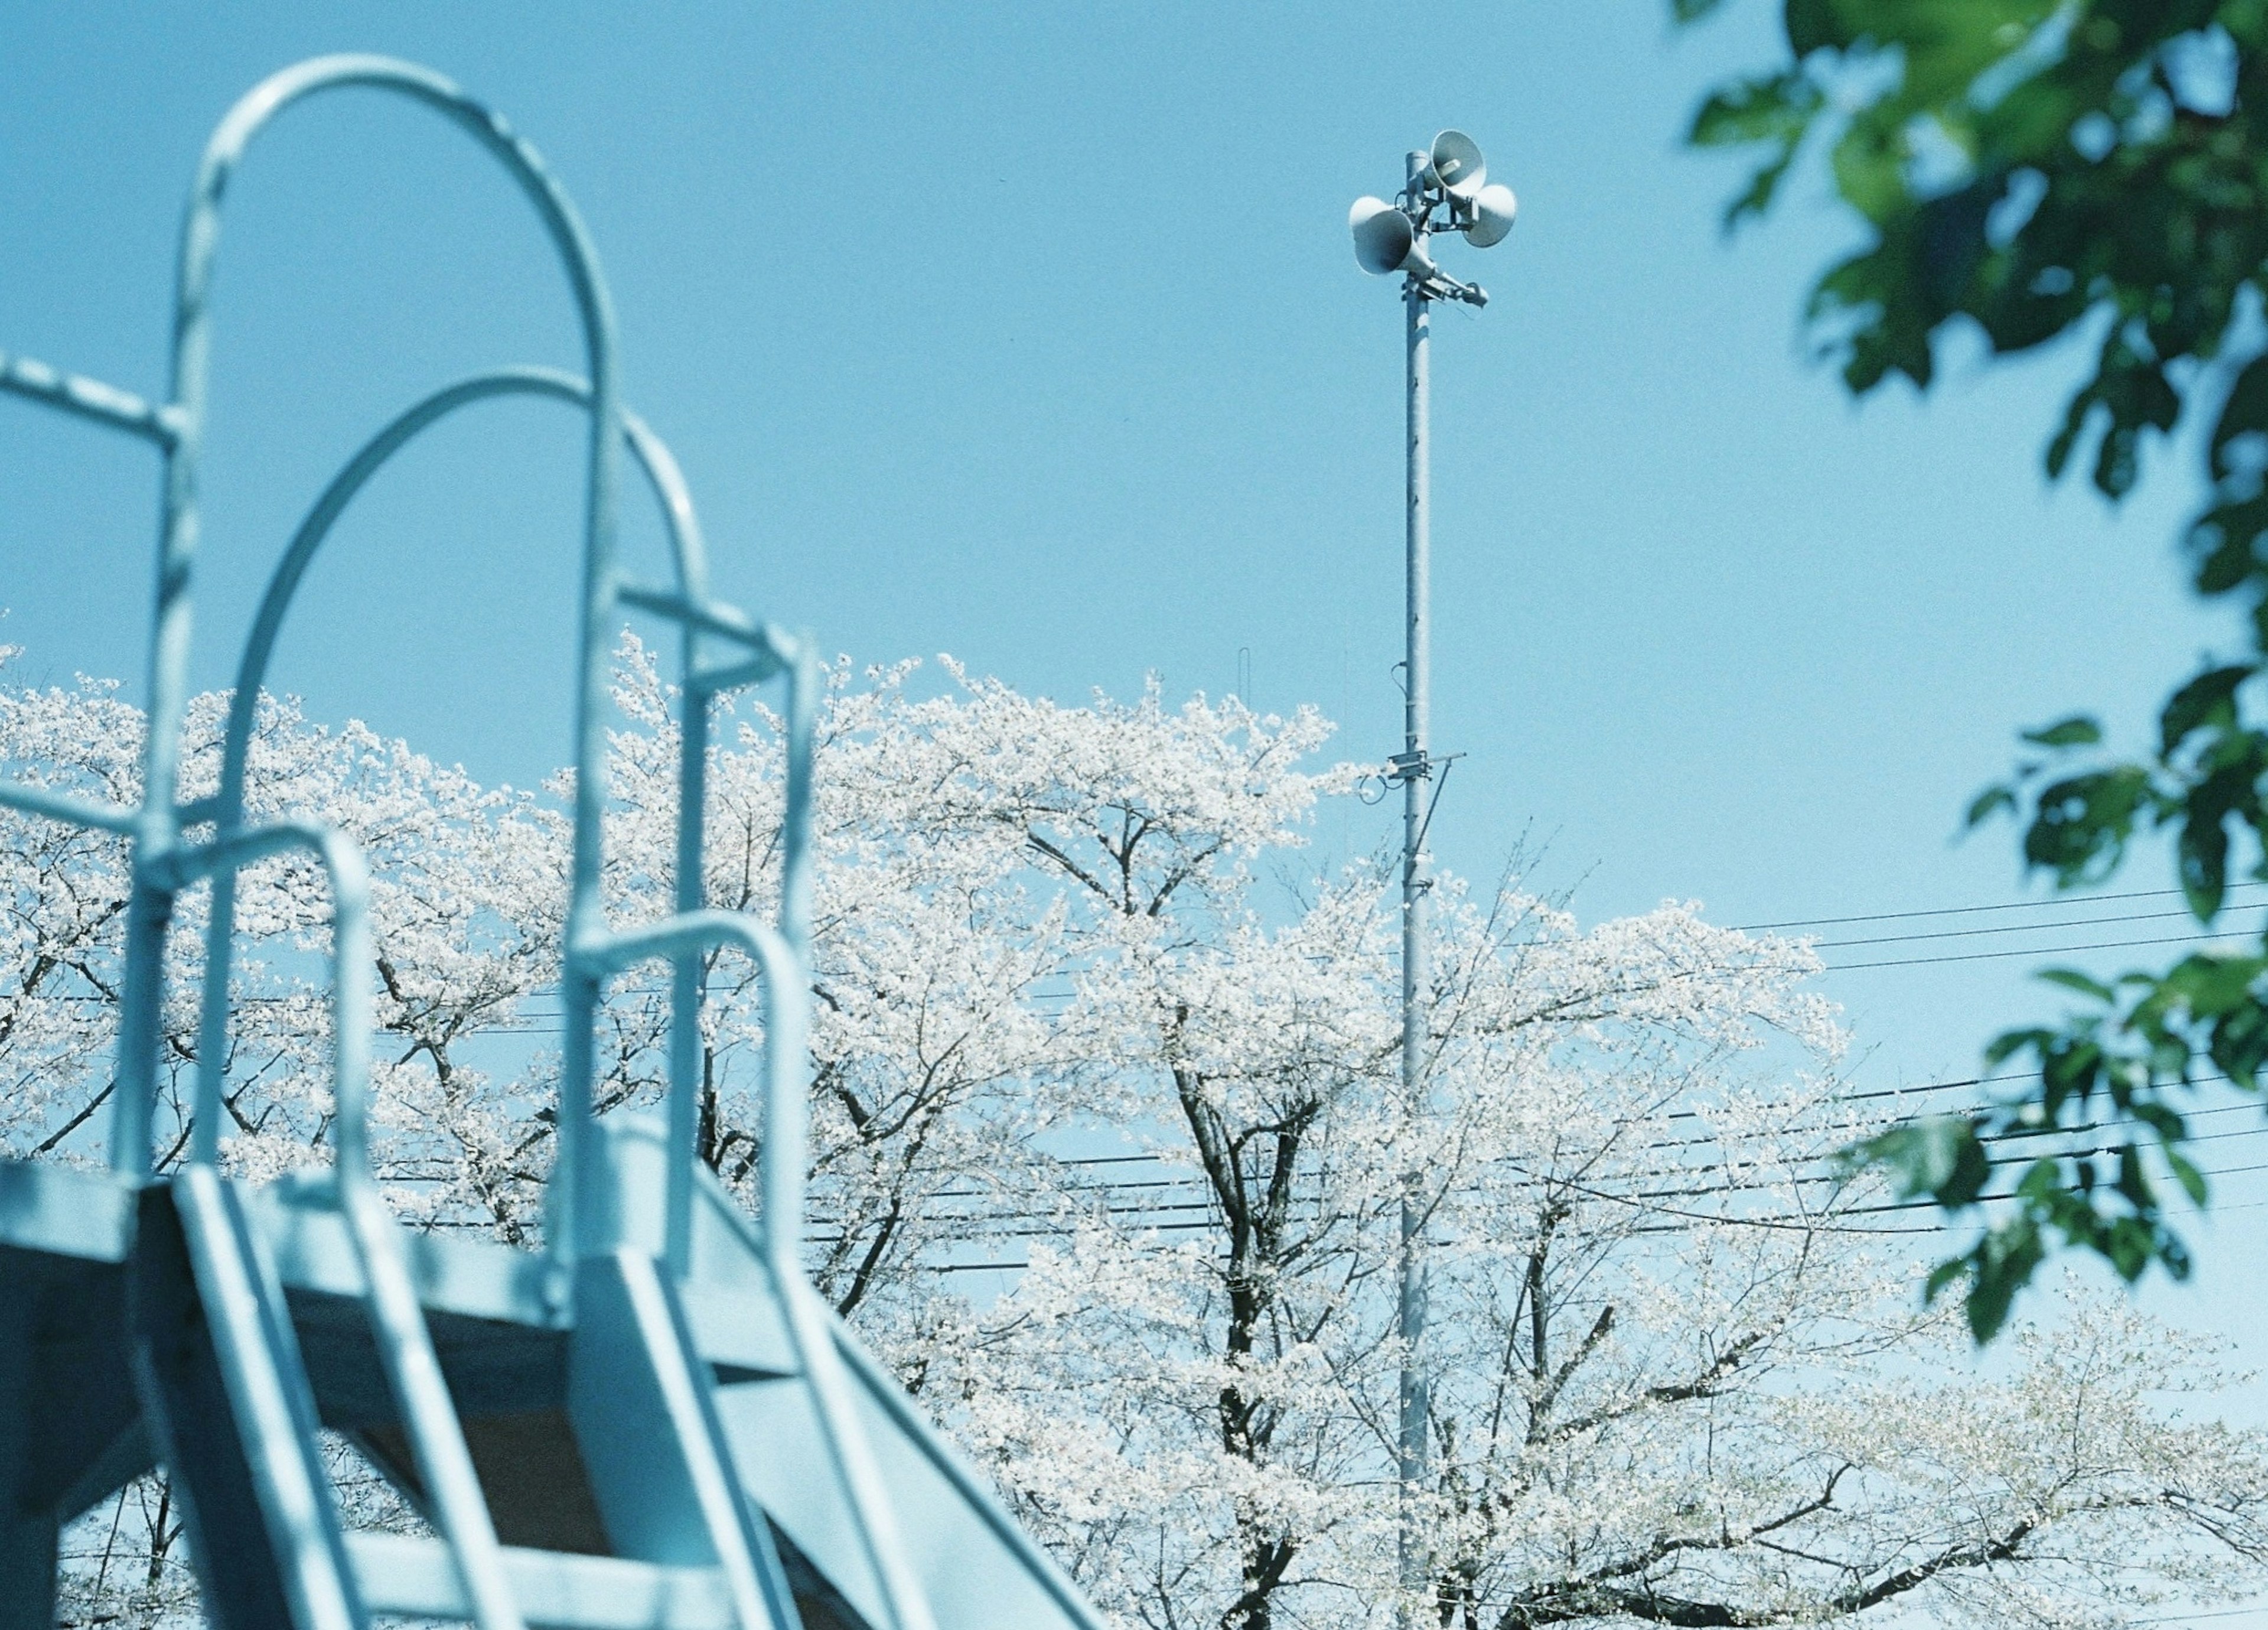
x=754 y=651
x=723 y=649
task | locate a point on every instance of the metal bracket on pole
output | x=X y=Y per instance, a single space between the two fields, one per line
x=1441 y=286
x=1448 y=762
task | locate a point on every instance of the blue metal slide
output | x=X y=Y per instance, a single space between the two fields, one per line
x=655 y=1423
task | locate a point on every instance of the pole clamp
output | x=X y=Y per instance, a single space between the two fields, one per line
x=1415 y=765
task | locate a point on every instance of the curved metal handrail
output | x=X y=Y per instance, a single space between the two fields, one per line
x=157 y=836
x=781 y=1160
x=159 y=823
x=226 y=807
x=178 y=427
x=773 y=652
x=164 y=863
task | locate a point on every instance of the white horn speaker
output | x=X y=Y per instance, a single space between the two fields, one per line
x=1383 y=238
x=1494 y=209
x=1458 y=164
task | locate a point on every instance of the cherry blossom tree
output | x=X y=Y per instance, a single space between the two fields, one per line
x=1680 y=1374
x=1110 y=1145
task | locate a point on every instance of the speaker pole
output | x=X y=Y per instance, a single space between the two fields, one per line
x=1416 y=770
x=1463 y=201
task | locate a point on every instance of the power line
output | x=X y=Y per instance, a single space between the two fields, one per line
x=1637 y=1196
x=2063 y=901
x=1797 y=1104
x=1884 y=1232
x=1197 y=1181
x=2218 y=1612
x=2042 y=950
x=2006 y=928
x=523 y=1021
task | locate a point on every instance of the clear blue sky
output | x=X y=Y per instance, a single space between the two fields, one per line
x=1031 y=333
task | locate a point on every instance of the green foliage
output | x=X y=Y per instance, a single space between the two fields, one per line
x=2032 y=169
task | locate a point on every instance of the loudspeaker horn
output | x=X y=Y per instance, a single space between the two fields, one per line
x=1383 y=238
x=1458 y=164
x=1494 y=209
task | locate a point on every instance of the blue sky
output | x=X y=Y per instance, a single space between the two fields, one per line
x=1032 y=333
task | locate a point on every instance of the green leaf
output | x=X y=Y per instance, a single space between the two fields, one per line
x=2010 y=1042
x=2076 y=417
x=2129 y=379
x=1756 y=197
x=2188 y=1175
x=2134 y=1183
x=2214 y=984
x=1940 y=1155
x=2230 y=792
x=2079 y=730
x=1776 y=110
x=2173 y=1256
x=2161 y=1119
x=2042 y=1181
x=2201 y=857
x=1870 y=165
x=2238 y=1044
x=1945 y=44
x=2221 y=543
x=2207 y=699
x=2070 y=1070
x=2130 y=1246
x=2071 y=979
x=2245 y=20
x=1989 y=803
x=2029 y=125
x=2080 y=826
x=1813 y=25
x=2243 y=411
x=1948 y=43
x=2013 y=174
x=1771 y=107
x=2005 y=1259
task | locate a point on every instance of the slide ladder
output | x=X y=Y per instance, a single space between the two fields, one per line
x=222 y=1385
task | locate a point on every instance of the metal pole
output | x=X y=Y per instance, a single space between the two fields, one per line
x=1416 y=771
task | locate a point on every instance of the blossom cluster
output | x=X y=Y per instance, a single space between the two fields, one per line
x=1113 y=1150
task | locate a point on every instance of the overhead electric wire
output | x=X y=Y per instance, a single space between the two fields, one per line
x=1793 y=1222
x=1194 y=1179
x=2043 y=950
x=525 y=1022
x=1722 y=1140
x=522 y=1024
x=2063 y=924
x=1973 y=933
x=1653 y=1198
x=2065 y=901
x=1886 y=1232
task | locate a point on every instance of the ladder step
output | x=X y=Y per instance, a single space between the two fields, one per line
x=417 y=1579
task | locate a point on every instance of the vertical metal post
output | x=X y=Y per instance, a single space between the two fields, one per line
x=688 y=969
x=1416 y=771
